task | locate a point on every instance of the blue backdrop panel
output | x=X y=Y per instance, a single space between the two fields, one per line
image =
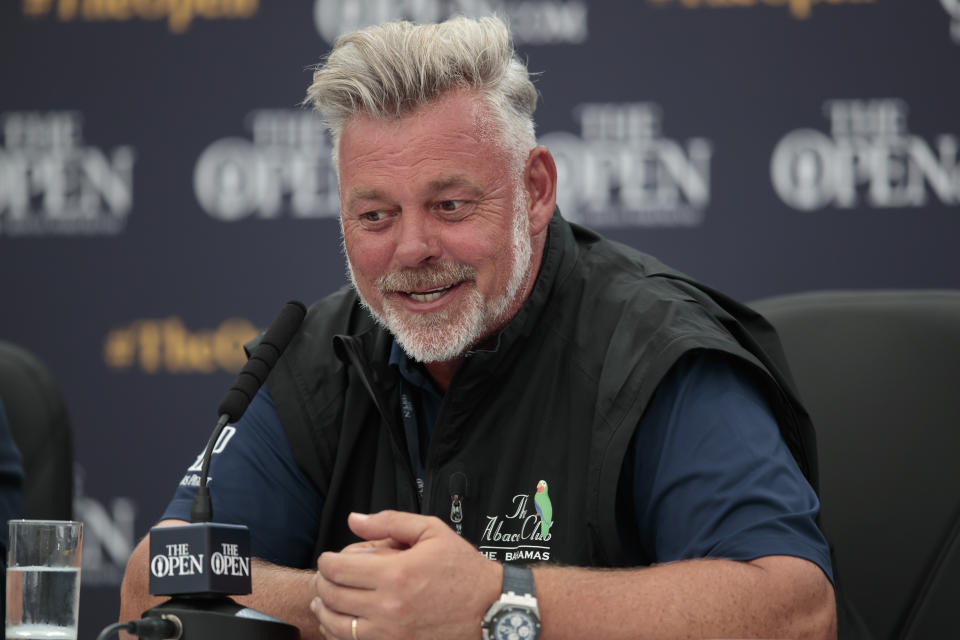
x=162 y=193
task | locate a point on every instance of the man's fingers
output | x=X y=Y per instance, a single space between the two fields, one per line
x=337 y=625
x=401 y=527
x=372 y=545
x=346 y=600
x=355 y=569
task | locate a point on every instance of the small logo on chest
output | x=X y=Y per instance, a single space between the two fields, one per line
x=523 y=532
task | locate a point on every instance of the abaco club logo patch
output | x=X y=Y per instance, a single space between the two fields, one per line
x=520 y=533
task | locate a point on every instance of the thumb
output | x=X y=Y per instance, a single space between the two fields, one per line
x=404 y=529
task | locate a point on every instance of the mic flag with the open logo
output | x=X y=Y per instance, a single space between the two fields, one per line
x=202 y=558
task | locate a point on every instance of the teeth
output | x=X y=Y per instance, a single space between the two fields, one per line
x=429 y=296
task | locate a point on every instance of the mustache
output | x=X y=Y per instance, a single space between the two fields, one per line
x=431 y=276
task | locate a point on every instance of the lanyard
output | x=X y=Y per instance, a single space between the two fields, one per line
x=411 y=429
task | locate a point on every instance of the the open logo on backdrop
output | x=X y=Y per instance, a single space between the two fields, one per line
x=284 y=169
x=541 y=22
x=869 y=156
x=52 y=183
x=622 y=171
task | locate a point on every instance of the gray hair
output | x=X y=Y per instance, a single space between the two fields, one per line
x=387 y=71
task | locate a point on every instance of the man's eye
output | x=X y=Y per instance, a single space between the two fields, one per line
x=372 y=216
x=450 y=205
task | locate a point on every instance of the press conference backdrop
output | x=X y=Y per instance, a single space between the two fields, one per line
x=162 y=192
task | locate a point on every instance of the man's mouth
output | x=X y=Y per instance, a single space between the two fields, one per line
x=428 y=296
x=424 y=285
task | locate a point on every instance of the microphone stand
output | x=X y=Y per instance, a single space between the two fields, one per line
x=201 y=607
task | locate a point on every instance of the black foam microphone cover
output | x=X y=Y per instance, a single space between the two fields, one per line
x=262 y=359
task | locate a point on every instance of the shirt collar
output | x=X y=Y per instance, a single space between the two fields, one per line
x=409 y=370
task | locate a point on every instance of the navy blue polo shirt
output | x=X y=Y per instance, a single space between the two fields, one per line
x=711 y=474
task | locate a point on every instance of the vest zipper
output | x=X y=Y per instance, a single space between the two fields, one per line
x=458 y=491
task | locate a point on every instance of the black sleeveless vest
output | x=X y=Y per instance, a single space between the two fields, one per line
x=556 y=400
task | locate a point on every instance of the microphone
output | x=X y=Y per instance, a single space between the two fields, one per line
x=251 y=377
x=262 y=359
x=203 y=563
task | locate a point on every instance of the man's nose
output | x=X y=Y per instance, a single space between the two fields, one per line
x=418 y=239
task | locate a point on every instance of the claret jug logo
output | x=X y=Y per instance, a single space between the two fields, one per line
x=285 y=169
x=51 y=183
x=523 y=532
x=531 y=22
x=868 y=156
x=622 y=171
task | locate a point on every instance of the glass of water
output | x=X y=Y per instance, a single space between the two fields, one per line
x=43 y=579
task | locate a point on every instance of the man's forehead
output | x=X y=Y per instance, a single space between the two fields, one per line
x=427 y=146
x=434 y=186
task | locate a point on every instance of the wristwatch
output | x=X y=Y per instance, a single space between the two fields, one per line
x=515 y=615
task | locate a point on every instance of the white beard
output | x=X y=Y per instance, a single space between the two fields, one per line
x=447 y=334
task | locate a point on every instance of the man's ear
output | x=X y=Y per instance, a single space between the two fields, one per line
x=540 y=182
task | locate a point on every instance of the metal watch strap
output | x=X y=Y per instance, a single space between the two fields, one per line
x=518 y=579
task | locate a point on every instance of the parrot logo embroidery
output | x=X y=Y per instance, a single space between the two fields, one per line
x=544 y=508
x=518 y=535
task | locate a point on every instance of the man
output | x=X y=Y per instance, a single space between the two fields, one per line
x=500 y=387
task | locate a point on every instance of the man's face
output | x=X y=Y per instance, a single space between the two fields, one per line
x=434 y=225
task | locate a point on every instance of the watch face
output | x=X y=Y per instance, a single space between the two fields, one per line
x=515 y=625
